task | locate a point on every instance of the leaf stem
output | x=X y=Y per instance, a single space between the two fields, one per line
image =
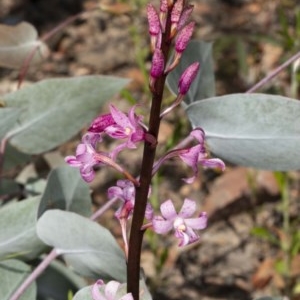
x=37 y=271
x=273 y=73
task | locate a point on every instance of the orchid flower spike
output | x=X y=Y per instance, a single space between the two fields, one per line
x=109 y=291
x=181 y=222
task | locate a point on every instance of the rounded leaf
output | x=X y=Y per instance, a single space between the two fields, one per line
x=253 y=130
x=87 y=246
x=12 y=273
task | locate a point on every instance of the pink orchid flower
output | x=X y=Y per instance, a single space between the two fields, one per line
x=120 y=126
x=181 y=222
x=125 y=191
x=85 y=158
x=198 y=154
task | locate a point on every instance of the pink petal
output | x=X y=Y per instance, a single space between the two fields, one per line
x=87 y=173
x=111 y=289
x=115 y=191
x=197 y=223
x=213 y=163
x=184 y=238
x=81 y=149
x=119 y=117
x=199 y=135
x=189 y=180
x=188 y=208
x=193 y=236
x=96 y=295
x=72 y=161
x=127 y=297
x=101 y=122
x=161 y=226
x=190 y=156
x=149 y=212
x=168 y=210
x=91 y=138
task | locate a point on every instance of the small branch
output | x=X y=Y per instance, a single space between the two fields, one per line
x=274 y=73
x=103 y=208
x=37 y=271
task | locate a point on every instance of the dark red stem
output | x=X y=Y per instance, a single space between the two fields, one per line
x=136 y=233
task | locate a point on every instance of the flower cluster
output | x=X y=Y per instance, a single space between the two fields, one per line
x=117 y=125
x=131 y=131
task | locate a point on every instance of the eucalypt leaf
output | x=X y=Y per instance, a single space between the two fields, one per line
x=85 y=245
x=67 y=191
x=204 y=84
x=12 y=273
x=17 y=230
x=253 y=130
x=54 y=110
x=18 y=43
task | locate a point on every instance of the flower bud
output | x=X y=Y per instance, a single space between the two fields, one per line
x=187 y=78
x=184 y=37
x=153 y=20
x=175 y=16
x=163 y=14
x=157 y=67
x=101 y=123
x=187 y=11
x=158 y=63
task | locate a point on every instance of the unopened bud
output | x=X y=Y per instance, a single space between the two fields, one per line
x=101 y=123
x=188 y=77
x=187 y=11
x=184 y=37
x=154 y=25
x=164 y=6
x=158 y=63
x=157 y=67
x=163 y=14
x=175 y=16
x=153 y=20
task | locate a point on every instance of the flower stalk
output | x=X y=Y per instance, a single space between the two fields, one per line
x=136 y=233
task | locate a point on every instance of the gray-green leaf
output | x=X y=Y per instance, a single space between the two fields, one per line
x=17 y=43
x=54 y=110
x=254 y=130
x=8 y=118
x=17 y=230
x=67 y=191
x=87 y=246
x=204 y=83
x=12 y=273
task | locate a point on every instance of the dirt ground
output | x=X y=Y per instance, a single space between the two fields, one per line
x=230 y=262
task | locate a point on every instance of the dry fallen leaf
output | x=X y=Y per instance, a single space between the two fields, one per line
x=18 y=43
x=263 y=274
x=117 y=8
